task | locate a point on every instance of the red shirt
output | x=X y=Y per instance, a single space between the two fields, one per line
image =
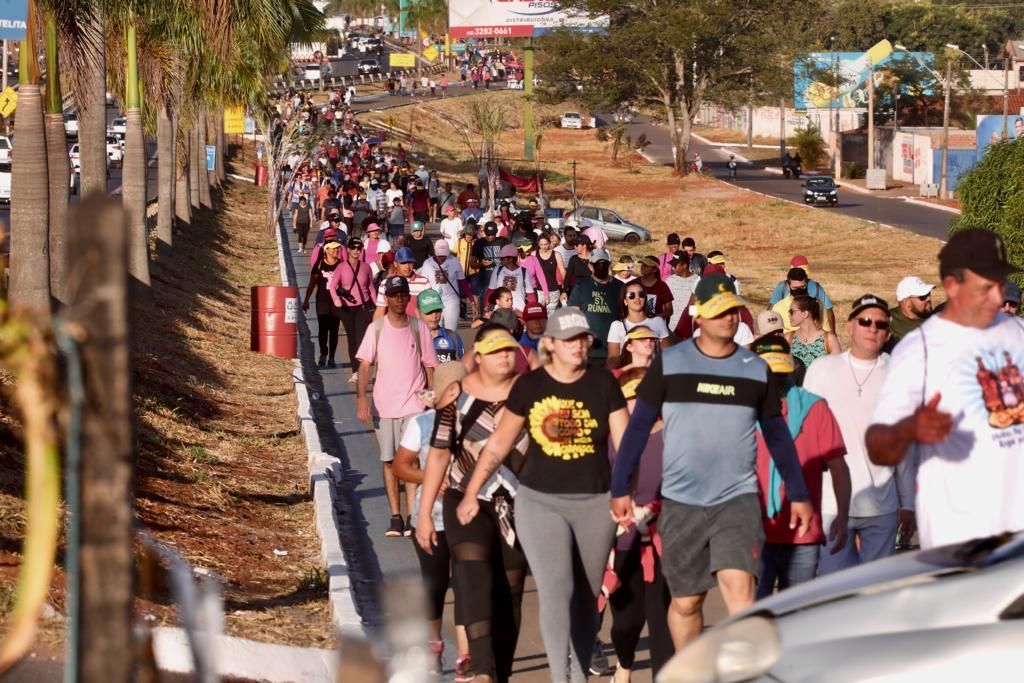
x=818 y=442
x=658 y=295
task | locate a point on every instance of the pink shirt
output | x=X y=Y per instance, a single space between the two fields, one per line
x=353 y=279
x=369 y=254
x=399 y=372
x=417 y=284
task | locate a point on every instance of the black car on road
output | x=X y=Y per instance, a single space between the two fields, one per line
x=820 y=189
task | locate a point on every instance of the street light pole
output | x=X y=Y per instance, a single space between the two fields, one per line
x=944 y=180
x=871 y=116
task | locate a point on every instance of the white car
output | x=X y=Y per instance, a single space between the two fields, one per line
x=118 y=127
x=311 y=72
x=368 y=66
x=572 y=119
x=76 y=158
x=115 y=151
x=6 y=149
x=70 y=124
x=5 y=182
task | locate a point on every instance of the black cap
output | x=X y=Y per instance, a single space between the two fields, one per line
x=396 y=284
x=672 y=238
x=490 y=228
x=868 y=301
x=976 y=249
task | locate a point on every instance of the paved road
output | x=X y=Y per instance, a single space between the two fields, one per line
x=886 y=210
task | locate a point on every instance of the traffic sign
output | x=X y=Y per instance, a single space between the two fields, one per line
x=8 y=101
x=211 y=158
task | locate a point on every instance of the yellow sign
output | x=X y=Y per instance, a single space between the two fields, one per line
x=234 y=121
x=401 y=59
x=8 y=102
x=431 y=53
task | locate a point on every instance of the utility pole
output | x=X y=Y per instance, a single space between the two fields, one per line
x=750 y=114
x=782 y=127
x=528 y=100
x=1006 y=95
x=947 y=86
x=575 y=199
x=985 y=48
x=871 y=116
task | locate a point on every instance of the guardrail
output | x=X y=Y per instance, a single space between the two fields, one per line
x=345 y=81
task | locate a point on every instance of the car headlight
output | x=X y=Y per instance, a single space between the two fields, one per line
x=736 y=652
x=832 y=192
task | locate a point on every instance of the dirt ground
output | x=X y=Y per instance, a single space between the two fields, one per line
x=758 y=234
x=222 y=475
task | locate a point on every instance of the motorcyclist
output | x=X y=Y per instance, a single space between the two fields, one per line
x=732 y=166
x=797 y=165
x=787 y=163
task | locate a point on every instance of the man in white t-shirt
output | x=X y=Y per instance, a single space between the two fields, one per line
x=955 y=394
x=451 y=226
x=513 y=277
x=446 y=276
x=681 y=282
x=881 y=497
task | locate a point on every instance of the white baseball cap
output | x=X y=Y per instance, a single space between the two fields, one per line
x=912 y=286
x=383 y=246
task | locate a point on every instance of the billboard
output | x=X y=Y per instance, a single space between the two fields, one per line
x=234 y=120
x=851 y=70
x=514 y=18
x=401 y=60
x=990 y=129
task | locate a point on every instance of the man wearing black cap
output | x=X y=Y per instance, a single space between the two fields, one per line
x=1011 y=298
x=954 y=399
x=881 y=507
x=485 y=256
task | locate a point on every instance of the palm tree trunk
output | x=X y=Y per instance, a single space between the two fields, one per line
x=222 y=148
x=165 y=158
x=30 y=205
x=92 y=111
x=59 y=171
x=204 y=176
x=133 y=173
x=195 y=162
x=182 y=206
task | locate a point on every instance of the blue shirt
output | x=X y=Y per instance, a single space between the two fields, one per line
x=447 y=346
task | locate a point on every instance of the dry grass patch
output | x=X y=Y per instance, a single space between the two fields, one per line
x=759 y=234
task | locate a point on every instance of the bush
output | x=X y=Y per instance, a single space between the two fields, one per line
x=810 y=146
x=992 y=196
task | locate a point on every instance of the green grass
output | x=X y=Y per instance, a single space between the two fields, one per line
x=201 y=456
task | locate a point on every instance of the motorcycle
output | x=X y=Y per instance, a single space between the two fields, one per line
x=793 y=170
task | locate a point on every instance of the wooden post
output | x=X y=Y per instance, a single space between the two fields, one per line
x=98 y=307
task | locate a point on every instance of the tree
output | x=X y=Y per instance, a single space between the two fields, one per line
x=988 y=199
x=670 y=55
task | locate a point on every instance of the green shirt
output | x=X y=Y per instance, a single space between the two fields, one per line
x=600 y=303
x=901 y=325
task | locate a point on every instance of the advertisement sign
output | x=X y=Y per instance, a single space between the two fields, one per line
x=851 y=70
x=401 y=60
x=514 y=18
x=990 y=129
x=13 y=19
x=912 y=161
x=234 y=120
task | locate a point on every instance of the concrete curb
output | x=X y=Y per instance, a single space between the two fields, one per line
x=247 y=659
x=930 y=205
x=324 y=476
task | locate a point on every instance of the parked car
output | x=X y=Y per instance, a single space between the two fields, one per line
x=76 y=158
x=70 y=124
x=368 y=66
x=371 y=45
x=820 y=189
x=572 y=119
x=6 y=149
x=614 y=225
x=115 y=151
x=954 y=613
x=118 y=127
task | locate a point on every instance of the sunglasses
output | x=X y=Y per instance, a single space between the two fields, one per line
x=923 y=297
x=1011 y=304
x=879 y=324
x=634 y=295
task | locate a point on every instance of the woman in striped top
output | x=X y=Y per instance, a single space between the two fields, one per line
x=488 y=565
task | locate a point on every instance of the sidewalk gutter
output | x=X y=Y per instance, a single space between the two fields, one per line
x=325 y=477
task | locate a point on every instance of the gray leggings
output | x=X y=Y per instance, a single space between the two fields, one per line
x=566 y=538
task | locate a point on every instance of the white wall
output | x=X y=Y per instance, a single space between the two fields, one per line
x=766 y=120
x=912 y=158
x=991 y=81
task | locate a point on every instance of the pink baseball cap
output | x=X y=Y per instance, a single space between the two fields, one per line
x=441 y=248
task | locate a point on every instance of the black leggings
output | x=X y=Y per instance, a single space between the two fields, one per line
x=436 y=570
x=489 y=577
x=355 y=321
x=636 y=602
x=302 y=231
x=327 y=334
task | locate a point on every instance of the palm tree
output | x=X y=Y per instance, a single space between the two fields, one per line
x=30 y=248
x=133 y=176
x=91 y=101
x=59 y=167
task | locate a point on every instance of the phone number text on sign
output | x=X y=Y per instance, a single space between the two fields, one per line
x=520 y=30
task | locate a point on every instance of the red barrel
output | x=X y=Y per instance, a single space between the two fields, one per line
x=261 y=175
x=275 y=317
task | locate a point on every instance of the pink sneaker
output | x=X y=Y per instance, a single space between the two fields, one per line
x=437 y=647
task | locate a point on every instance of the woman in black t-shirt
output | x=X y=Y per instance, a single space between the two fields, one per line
x=328 y=315
x=570 y=410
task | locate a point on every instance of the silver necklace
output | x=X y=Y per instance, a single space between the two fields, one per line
x=860 y=385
